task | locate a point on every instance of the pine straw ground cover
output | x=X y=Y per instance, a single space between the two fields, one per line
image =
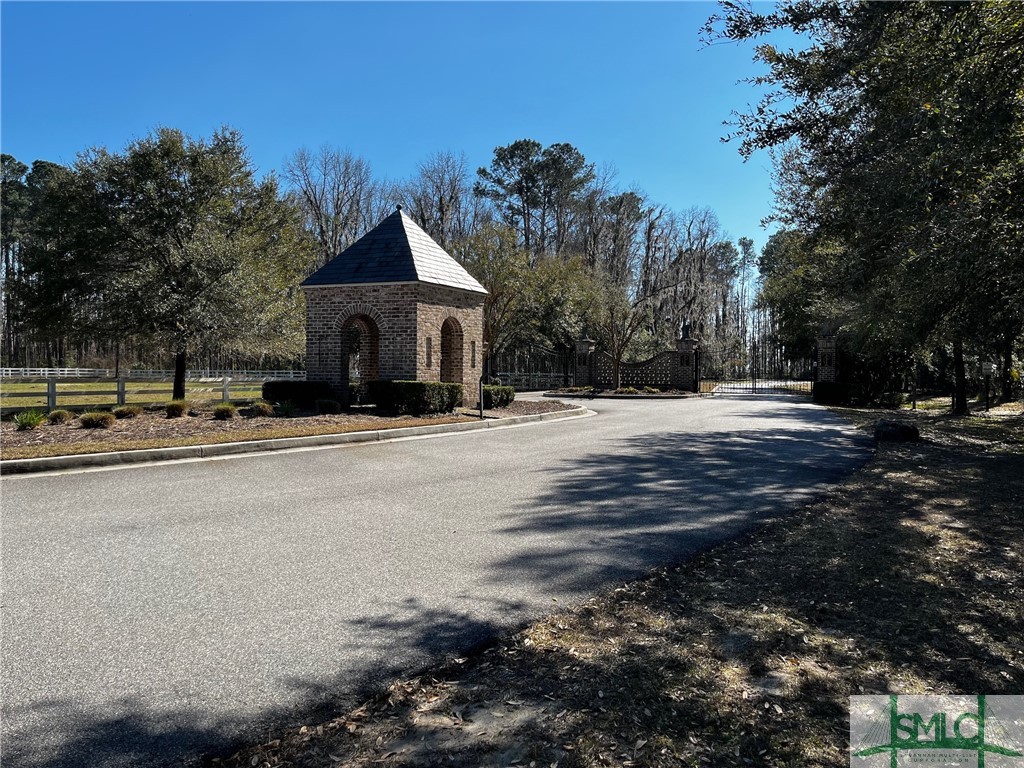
x=153 y=429
x=909 y=577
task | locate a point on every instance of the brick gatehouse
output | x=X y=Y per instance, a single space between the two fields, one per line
x=394 y=305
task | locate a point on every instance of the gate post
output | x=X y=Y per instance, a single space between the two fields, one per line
x=826 y=370
x=687 y=349
x=584 y=361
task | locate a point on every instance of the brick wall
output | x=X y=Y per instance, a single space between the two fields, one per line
x=406 y=315
x=436 y=305
x=661 y=371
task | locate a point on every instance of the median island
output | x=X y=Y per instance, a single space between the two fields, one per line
x=206 y=424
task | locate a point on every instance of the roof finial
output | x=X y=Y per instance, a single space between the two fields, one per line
x=399 y=207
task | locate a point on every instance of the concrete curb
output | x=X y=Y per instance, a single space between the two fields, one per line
x=121 y=458
x=581 y=396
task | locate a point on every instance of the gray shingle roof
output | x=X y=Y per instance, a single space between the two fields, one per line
x=395 y=251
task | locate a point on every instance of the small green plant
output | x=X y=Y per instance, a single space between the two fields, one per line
x=177 y=408
x=652 y=391
x=627 y=391
x=497 y=396
x=59 y=416
x=285 y=410
x=97 y=420
x=29 y=419
x=260 y=408
x=224 y=412
x=328 y=407
x=127 y=411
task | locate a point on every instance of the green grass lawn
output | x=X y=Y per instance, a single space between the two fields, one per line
x=139 y=392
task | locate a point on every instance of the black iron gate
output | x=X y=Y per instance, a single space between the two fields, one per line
x=531 y=368
x=736 y=367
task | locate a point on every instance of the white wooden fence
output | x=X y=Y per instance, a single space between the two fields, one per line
x=119 y=388
x=110 y=373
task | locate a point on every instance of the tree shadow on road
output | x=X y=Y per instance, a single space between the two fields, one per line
x=609 y=517
x=655 y=500
x=907 y=580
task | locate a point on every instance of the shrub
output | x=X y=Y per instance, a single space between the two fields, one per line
x=891 y=399
x=177 y=408
x=303 y=394
x=260 y=408
x=224 y=412
x=29 y=419
x=285 y=410
x=415 y=397
x=97 y=420
x=328 y=407
x=652 y=391
x=59 y=416
x=627 y=391
x=830 y=393
x=498 y=397
x=127 y=411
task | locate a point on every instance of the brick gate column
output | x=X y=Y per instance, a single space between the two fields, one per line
x=826 y=369
x=687 y=349
x=585 y=361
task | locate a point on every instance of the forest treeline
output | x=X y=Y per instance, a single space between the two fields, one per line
x=897 y=137
x=897 y=133
x=173 y=249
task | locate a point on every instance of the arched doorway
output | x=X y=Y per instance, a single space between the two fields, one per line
x=360 y=354
x=451 y=351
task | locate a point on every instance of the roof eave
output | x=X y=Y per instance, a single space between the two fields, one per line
x=481 y=291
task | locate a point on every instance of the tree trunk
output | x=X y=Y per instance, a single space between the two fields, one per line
x=1007 y=366
x=959 y=379
x=179 y=374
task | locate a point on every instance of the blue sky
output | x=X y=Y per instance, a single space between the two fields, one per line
x=628 y=84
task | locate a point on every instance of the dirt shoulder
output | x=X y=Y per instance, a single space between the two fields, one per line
x=907 y=578
x=152 y=429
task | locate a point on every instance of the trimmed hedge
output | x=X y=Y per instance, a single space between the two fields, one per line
x=831 y=393
x=303 y=394
x=328 y=407
x=498 y=397
x=415 y=397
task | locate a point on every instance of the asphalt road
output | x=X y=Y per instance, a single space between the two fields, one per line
x=152 y=614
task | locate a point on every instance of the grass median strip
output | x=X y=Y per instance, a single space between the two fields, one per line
x=908 y=577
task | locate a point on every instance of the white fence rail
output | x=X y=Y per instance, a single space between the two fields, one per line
x=109 y=373
x=118 y=391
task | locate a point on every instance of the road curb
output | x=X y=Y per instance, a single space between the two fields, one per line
x=149 y=455
x=582 y=396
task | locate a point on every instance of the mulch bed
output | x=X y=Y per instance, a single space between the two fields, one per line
x=907 y=578
x=522 y=408
x=153 y=429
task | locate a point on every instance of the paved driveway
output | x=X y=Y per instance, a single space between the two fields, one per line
x=152 y=614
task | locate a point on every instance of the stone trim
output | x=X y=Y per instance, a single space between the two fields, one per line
x=351 y=310
x=400 y=282
x=357 y=285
